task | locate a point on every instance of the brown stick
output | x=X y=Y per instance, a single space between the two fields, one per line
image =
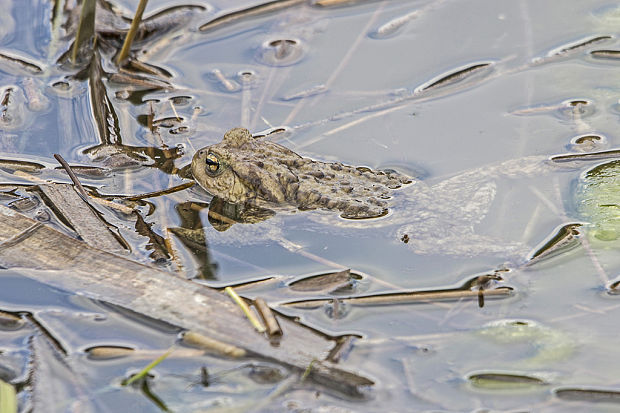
x=74 y=178
x=161 y=192
x=273 y=328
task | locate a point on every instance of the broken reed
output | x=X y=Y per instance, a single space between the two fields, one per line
x=131 y=34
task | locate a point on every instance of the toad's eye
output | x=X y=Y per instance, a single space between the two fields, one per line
x=213 y=164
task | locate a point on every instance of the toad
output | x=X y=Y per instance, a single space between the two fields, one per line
x=438 y=218
x=242 y=169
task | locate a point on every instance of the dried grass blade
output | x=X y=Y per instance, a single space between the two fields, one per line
x=246 y=310
x=135 y=23
x=148 y=368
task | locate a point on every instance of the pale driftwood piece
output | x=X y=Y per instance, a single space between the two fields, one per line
x=77 y=213
x=160 y=295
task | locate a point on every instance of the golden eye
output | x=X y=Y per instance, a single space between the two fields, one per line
x=213 y=164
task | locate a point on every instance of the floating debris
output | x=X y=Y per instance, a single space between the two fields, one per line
x=614 y=288
x=37 y=102
x=572 y=109
x=166 y=191
x=250 y=12
x=198 y=340
x=228 y=85
x=20 y=63
x=392 y=27
x=404 y=298
x=181 y=100
x=246 y=310
x=270 y=132
x=325 y=282
x=12 y=108
x=503 y=381
x=109 y=352
x=103 y=276
x=88 y=171
x=344 y=346
x=281 y=52
x=588 y=143
x=564 y=239
x=336 y=308
x=137 y=66
x=590 y=156
x=580 y=44
x=316 y=90
x=266 y=374
x=606 y=54
x=156 y=243
x=62 y=86
x=139 y=81
x=273 y=328
x=456 y=76
x=24 y=204
x=588 y=395
x=167 y=20
x=148 y=368
x=577 y=109
x=17 y=165
x=10 y=321
x=335 y=3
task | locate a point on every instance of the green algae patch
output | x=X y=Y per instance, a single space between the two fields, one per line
x=504 y=381
x=598 y=200
x=546 y=345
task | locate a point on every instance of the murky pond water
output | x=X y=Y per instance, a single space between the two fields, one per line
x=473 y=100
